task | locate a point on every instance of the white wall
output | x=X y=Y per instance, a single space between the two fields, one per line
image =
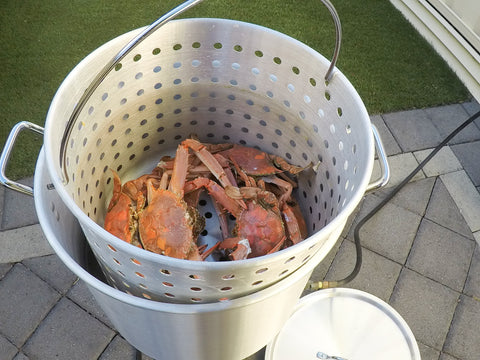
x=453 y=29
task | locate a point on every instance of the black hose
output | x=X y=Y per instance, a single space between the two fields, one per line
x=356 y=234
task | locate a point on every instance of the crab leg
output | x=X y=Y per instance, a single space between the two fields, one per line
x=179 y=174
x=285 y=185
x=217 y=192
x=209 y=160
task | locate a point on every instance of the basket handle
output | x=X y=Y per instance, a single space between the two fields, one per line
x=384 y=167
x=106 y=70
x=6 y=152
x=338 y=38
x=139 y=38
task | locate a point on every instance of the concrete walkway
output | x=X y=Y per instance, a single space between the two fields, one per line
x=421 y=255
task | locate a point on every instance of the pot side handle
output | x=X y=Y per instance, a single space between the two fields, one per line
x=384 y=167
x=7 y=150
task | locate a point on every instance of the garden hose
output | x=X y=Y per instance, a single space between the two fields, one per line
x=312 y=285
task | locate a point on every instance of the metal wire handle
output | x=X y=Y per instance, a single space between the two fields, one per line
x=138 y=39
x=7 y=150
x=106 y=70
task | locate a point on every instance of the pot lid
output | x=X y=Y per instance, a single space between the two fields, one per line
x=343 y=324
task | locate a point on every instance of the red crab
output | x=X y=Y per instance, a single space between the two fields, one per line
x=121 y=219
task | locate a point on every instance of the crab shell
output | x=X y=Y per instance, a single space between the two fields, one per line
x=169 y=226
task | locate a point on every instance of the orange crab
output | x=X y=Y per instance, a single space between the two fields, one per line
x=168 y=225
x=259 y=227
x=121 y=219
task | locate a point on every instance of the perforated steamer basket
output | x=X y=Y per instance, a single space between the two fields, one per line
x=225 y=81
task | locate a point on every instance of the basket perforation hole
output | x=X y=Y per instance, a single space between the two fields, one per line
x=156 y=51
x=118 y=67
x=327 y=95
x=165 y=272
x=261 y=271
x=177 y=47
x=138 y=75
x=196 y=288
x=238 y=48
x=146 y=296
x=289 y=260
x=167 y=284
x=196 y=63
x=137 y=57
x=283 y=272
x=291 y=88
x=121 y=273
x=226 y=288
x=169 y=295
x=295 y=70
x=273 y=78
x=235 y=66
x=196 y=299
x=277 y=60
x=217 y=45
x=116 y=261
x=139 y=274
x=196 y=45
x=194 y=277
x=143 y=286
x=111 y=248
x=255 y=71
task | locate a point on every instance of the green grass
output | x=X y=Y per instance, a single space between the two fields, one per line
x=388 y=63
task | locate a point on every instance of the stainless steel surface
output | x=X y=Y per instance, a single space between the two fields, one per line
x=231 y=329
x=345 y=324
x=338 y=38
x=6 y=152
x=225 y=81
x=111 y=65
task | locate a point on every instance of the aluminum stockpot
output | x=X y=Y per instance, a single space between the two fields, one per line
x=232 y=329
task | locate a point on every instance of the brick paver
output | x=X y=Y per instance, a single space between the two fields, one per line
x=69 y=333
x=421 y=254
